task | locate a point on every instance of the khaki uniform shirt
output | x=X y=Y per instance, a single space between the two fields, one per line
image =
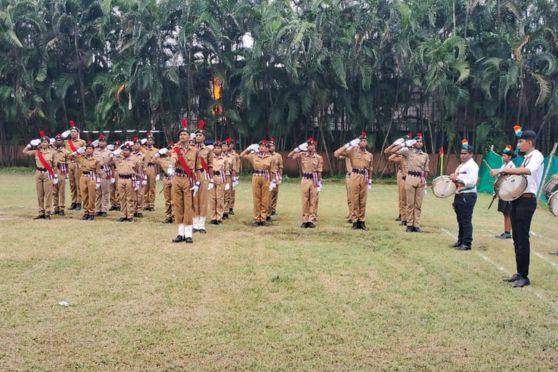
x=61 y=155
x=77 y=143
x=310 y=163
x=89 y=164
x=125 y=166
x=417 y=160
x=206 y=154
x=278 y=161
x=222 y=165
x=360 y=159
x=148 y=154
x=189 y=153
x=237 y=162
x=232 y=162
x=402 y=163
x=261 y=163
x=165 y=162
x=48 y=154
x=104 y=157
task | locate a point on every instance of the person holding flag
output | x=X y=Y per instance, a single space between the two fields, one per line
x=45 y=175
x=185 y=184
x=311 y=183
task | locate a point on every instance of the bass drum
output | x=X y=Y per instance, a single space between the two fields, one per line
x=443 y=187
x=550 y=188
x=553 y=203
x=510 y=187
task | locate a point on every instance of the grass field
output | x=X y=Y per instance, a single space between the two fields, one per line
x=271 y=298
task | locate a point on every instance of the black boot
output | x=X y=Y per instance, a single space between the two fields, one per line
x=40 y=216
x=78 y=207
x=179 y=238
x=85 y=217
x=231 y=212
x=61 y=213
x=356 y=226
x=363 y=226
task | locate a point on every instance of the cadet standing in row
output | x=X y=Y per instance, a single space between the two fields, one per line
x=89 y=181
x=44 y=176
x=311 y=182
x=151 y=172
x=221 y=166
x=204 y=174
x=274 y=194
x=402 y=169
x=126 y=168
x=61 y=160
x=361 y=177
x=74 y=174
x=103 y=156
x=167 y=165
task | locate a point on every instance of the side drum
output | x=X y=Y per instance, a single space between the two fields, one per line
x=443 y=187
x=553 y=203
x=550 y=188
x=510 y=187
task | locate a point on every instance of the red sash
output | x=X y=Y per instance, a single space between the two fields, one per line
x=72 y=146
x=183 y=162
x=45 y=163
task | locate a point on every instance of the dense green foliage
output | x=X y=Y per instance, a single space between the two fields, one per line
x=449 y=68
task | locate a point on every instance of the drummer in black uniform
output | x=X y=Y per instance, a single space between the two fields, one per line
x=524 y=207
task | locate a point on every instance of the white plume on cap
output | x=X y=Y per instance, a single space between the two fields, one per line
x=163 y=151
x=66 y=134
x=35 y=142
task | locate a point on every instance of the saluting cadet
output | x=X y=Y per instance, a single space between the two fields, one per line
x=45 y=175
x=347 y=183
x=524 y=207
x=61 y=160
x=114 y=197
x=465 y=177
x=89 y=182
x=167 y=165
x=126 y=168
x=263 y=179
x=229 y=176
x=140 y=181
x=103 y=156
x=74 y=174
x=361 y=177
x=204 y=173
x=274 y=194
x=184 y=184
x=221 y=165
x=505 y=206
x=230 y=194
x=151 y=173
x=402 y=169
x=415 y=182
x=311 y=183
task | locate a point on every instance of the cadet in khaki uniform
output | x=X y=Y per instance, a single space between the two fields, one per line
x=184 y=185
x=233 y=180
x=221 y=166
x=89 y=181
x=402 y=169
x=114 y=197
x=140 y=182
x=204 y=173
x=361 y=177
x=45 y=175
x=229 y=176
x=74 y=173
x=263 y=180
x=102 y=195
x=311 y=183
x=167 y=165
x=151 y=172
x=415 y=182
x=61 y=160
x=126 y=168
x=274 y=194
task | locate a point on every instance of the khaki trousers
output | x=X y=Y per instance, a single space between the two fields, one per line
x=114 y=197
x=74 y=175
x=151 y=188
x=59 y=192
x=260 y=196
x=217 y=202
x=273 y=196
x=183 y=201
x=359 y=195
x=167 y=194
x=229 y=195
x=415 y=194
x=88 y=192
x=138 y=198
x=309 y=198
x=348 y=189
x=402 y=196
x=201 y=199
x=43 y=185
x=126 y=194
x=103 y=195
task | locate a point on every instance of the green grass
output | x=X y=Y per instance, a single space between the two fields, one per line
x=271 y=298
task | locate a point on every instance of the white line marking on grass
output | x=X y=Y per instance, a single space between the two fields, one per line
x=539 y=255
x=502 y=269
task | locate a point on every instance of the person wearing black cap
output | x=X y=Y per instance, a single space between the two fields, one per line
x=102 y=197
x=45 y=176
x=126 y=169
x=89 y=182
x=73 y=143
x=204 y=174
x=61 y=161
x=140 y=180
x=465 y=177
x=505 y=206
x=151 y=172
x=524 y=207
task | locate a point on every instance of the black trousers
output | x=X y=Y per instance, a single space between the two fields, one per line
x=463 y=205
x=521 y=215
